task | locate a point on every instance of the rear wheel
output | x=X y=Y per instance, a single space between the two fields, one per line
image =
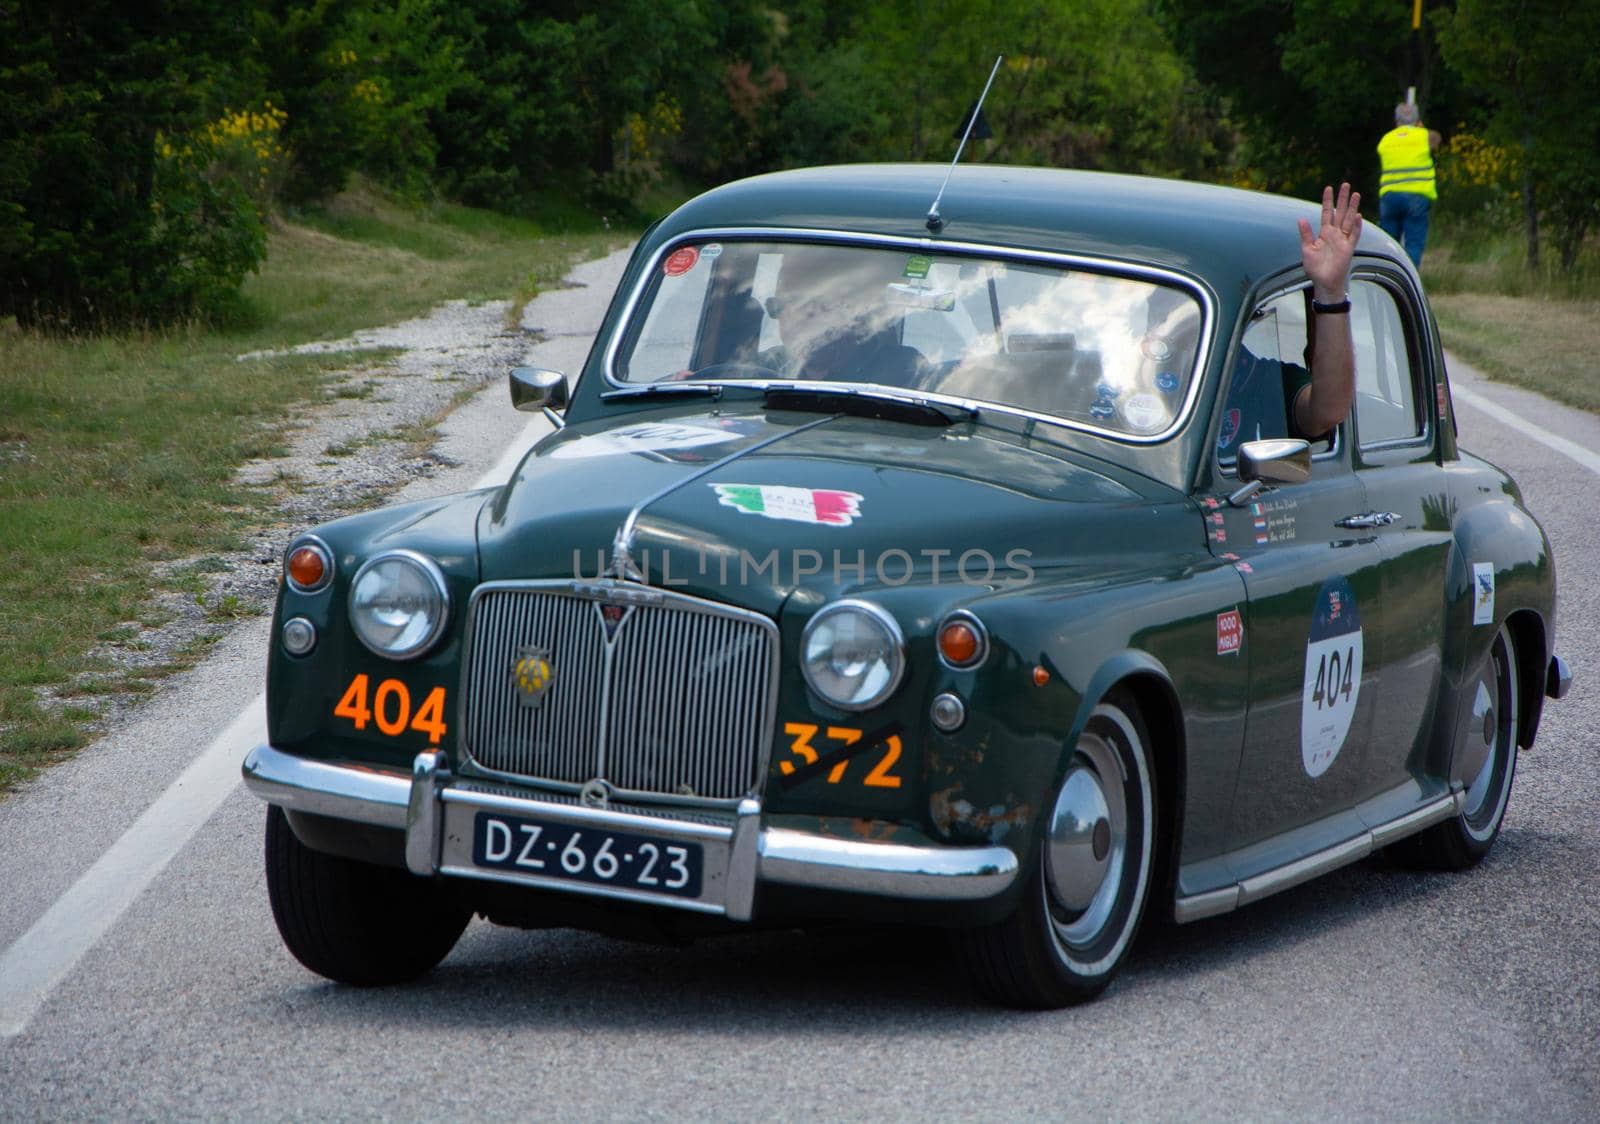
x=1087 y=894
x=355 y=922
x=1466 y=837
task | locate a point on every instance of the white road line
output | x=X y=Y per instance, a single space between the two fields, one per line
x=1522 y=425
x=43 y=956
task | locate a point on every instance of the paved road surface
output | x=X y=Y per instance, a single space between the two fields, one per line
x=1371 y=992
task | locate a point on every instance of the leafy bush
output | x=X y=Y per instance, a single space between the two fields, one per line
x=114 y=209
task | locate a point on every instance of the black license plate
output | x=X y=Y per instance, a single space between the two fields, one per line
x=623 y=859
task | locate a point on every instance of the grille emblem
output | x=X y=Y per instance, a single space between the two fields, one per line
x=532 y=674
x=611 y=616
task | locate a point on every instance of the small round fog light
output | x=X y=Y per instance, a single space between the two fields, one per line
x=299 y=636
x=948 y=712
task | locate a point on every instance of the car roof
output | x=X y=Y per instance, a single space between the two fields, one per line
x=1224 y=235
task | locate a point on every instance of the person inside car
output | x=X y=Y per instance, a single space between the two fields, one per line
x=833 y=313
x=1269 y=398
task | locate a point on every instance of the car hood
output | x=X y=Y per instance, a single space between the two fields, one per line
x=745 y=506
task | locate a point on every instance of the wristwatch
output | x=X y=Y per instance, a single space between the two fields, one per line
x=1330 y=309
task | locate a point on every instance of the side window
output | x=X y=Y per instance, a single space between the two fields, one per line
x=1387 y=407
x=1267 y=370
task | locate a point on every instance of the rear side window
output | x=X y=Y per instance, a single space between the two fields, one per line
x=1387 y=403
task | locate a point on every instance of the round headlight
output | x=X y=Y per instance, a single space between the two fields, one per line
x=398 y=604
x=852 y=655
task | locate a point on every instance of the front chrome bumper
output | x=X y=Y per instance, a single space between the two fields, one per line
x=435 y=811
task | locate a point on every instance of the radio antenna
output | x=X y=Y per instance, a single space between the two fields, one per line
x=934 y=221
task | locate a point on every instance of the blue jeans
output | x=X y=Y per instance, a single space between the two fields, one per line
x=1404 y=217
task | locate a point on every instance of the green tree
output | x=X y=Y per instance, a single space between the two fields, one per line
x=1090 y=84
x=110 y=212
x=1537 y=66
x=1315 y=82
x=359 y=79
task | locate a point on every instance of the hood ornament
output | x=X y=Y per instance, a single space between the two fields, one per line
x=622 y=567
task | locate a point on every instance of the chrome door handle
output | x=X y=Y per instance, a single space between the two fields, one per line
x=1370 y=519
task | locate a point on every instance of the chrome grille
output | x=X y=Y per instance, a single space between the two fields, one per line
x=677 y=701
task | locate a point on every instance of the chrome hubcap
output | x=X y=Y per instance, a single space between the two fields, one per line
x=1483 y=727
x=1087 y=846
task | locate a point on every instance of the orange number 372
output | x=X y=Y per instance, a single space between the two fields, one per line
x=389 y=709
x=802 y=734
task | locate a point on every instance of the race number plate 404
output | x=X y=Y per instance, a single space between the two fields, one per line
x=584 y=854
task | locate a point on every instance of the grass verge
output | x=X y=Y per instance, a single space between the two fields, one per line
x=118 y=453
x=1534 y=329
x=1544 y=345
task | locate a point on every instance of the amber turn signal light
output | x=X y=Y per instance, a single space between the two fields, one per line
x=963 y=643
x=308 y=566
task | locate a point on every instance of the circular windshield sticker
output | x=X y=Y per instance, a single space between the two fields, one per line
x=1155 y=347
x=1144 y=411
x=1332 y=684
x=680 y=261
x=1167 y=382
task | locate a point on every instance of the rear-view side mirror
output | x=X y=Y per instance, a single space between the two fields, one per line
x=535 y=388
x=1279 y=460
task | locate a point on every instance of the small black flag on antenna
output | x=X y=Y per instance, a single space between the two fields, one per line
x=980 y=127
x=970 y=126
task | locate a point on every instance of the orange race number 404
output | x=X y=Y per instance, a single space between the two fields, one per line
x=388 y=707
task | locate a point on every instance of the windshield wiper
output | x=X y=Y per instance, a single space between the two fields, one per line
x=866 y=402
x=663 y=390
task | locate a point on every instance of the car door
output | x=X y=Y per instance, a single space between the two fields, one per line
x=1313 y=592
x=1397 y=460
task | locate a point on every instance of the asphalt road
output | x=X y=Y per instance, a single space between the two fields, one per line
x=1372 y=992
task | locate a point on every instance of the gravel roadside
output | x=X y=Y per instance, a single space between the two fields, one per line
x=385 y=429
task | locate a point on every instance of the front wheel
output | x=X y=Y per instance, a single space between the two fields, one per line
x=354 y=922
x=1490 y=732
x=1087 y=893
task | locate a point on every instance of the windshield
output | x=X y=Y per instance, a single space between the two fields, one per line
x=1106 y=351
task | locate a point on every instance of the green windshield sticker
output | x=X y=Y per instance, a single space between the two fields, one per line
x=917 y=265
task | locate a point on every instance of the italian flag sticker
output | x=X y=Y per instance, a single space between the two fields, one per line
x=801 y=505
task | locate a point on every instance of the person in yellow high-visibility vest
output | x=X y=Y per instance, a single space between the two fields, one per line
x=1407 y=189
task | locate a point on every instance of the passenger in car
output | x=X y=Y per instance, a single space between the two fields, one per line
x=835 y=319
x=1269 y=398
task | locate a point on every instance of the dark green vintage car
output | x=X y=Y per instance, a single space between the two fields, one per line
x=952 y=570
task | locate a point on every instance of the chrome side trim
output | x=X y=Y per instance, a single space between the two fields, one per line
x=893 y=870
x=1304 y=870
x=1112 y=266
x=346 y=792
x=1426 y=816
x=1211 y=903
